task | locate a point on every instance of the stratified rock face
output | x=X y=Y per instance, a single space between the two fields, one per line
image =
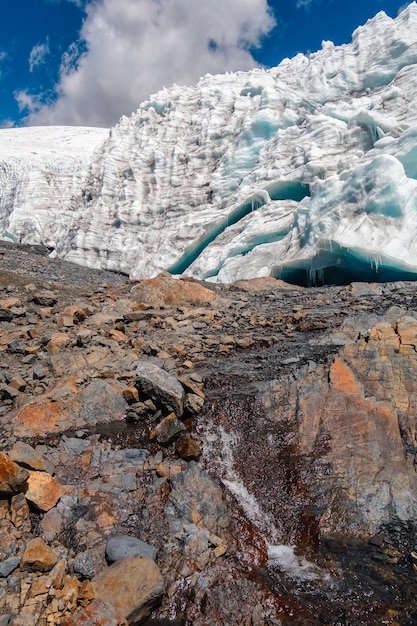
x=306 y=171
x=358 y=419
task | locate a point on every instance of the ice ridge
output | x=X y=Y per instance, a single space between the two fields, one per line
x=307 y=172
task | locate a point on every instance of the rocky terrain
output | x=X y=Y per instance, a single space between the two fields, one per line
x=174 y=452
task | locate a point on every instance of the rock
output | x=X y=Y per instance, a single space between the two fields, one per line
x=133 y=585
x=58 y=342
x=85 y=565
x=168 y=430
x=43 y=491
x=8 y=566
x=38 y=556
x=97 y=613
x=5 y=315
x=196 y=499
x=193 y=404
x=38 y=372
x=23 y=454
x=18 y=383
x=13 y=478
x=100 y=404
x=122 y=546
x=160 y=386
x=52 y=524
x=187 y=448
x=164 y=290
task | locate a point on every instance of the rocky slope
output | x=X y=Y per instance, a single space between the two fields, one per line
x=247 y=449
x=306 y=172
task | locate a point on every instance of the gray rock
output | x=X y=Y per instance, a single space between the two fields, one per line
x=101 y=404
x=85 y=565
x=8 y=566
x=122 y=546
x=161 y=386
x=193 y=403
x=195 y=494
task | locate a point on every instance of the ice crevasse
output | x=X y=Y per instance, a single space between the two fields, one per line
x=306 y=172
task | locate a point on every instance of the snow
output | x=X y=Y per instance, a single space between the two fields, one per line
x=307 y=171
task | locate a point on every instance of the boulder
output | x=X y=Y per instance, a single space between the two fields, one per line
x=134 y=586
x=38 y=556
x=23 y=454
x=196 y=498
x=43 y=491
x=122 y=546
x=161 y=386
x=164 y=290
x=168 y=430
x=13 y=478
x=100 y=403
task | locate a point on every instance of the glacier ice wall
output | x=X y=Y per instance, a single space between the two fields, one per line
x=307 y=171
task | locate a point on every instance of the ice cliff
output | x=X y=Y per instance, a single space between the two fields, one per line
x=307 y=171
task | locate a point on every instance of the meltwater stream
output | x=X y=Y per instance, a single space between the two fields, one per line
x=314 y=579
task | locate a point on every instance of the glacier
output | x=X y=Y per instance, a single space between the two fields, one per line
x=305 y=172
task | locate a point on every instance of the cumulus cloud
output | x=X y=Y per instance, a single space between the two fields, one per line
x=130 y=49
x=38 y=54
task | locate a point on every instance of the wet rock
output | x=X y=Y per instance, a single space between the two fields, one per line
x=13 y=478
x=122 y=546
x=133 y=585
x=43 y=490
x=168 y=430
x=160 y=386
x=38 y=556
x=196 y=499
x=193 y=404
x=188 y=448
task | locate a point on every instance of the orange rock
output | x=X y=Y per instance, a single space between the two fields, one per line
x=343 y=379
x=58 y=342
x=13 y=478
x=38 y=556
x=164 y=290
x=42 y=416
x=117 y=335
x=43 y=491
x=133 y=585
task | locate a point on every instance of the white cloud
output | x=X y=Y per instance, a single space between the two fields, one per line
x=132 y=49
x=3 y=57
x=38 y=54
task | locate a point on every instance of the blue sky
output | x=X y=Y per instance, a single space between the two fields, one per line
x=87 y=62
